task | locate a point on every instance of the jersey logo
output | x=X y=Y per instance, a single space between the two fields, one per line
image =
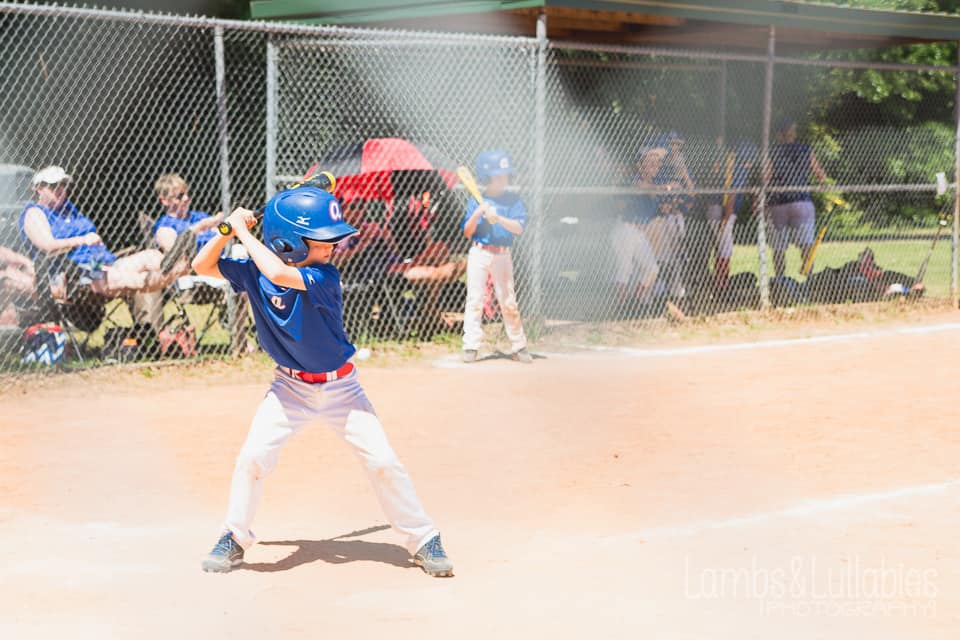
x=336 y=215
x=277 y=301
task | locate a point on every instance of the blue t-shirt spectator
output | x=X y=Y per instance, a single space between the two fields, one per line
x=182 y=224
x=640 y=208
x=68 y=222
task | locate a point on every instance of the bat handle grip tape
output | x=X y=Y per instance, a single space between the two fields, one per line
x=225 y=228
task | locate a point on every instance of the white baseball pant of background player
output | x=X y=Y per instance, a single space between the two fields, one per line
x=289 y=406
x=725 y=240
x=633 y=253
x=480 y=262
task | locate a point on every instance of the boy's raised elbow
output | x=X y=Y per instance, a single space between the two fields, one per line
x=201 y=267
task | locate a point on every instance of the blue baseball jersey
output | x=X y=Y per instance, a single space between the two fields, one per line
x=718 y=158
x=68 y=222
x=740 y=174
x=182 y=224
x=671 y=174
x=640 y=208
x=507 y=205
x=299 y=329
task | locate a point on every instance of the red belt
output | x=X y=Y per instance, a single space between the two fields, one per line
x=492 y=248
x=316 y=378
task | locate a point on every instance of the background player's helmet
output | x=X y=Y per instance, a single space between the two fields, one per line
x=493 y=162
x=304 y=212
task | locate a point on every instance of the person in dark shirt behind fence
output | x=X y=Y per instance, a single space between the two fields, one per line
x=791 y=212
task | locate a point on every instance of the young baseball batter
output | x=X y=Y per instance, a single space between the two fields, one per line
x=297 y=301
x=492 y=226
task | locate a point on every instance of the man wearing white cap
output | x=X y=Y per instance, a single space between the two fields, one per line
x=52 y=226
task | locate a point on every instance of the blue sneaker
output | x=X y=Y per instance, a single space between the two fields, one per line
x=433 y=559
x=226 y=555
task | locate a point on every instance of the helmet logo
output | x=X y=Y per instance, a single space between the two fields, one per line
x=336 y=215
x=504 y=163
x=277 y=301
x=303 y=221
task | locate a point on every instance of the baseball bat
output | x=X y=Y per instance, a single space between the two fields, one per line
x=941 y=225
x=466 y=178
x=727 y=181
x=728 y=176
x=808 y=264
x=322 y=180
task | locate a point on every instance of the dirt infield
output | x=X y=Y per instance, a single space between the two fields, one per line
x=796 y=489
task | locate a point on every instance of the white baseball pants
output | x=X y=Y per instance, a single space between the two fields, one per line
x=289 y=406
x=480 y=262
x=633 y=254
x=723 y=237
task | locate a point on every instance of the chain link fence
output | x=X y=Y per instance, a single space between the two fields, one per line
x=651 y=178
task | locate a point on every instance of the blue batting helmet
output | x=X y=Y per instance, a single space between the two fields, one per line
x=304 y=212
x=493 y=162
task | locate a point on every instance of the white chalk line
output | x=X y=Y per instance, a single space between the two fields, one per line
x=453 y=361
x=767 y=344
x=805 y=509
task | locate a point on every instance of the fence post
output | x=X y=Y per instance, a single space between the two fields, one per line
x=224 y=134
x=233 y=303
x=955 y=244
x=722 y=114
x=540 y=90
x=271 y=186
x=765 y=162
x=236 y=311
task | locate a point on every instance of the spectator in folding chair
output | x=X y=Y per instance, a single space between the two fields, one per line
x=180 y=231
x=55 y=231
x=373 y=254
x=418 y=221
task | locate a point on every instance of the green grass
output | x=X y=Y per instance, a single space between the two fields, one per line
x=904 y=256
x=119 y=315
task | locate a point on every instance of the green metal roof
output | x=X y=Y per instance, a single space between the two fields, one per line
x=789 y=14
x=359 y=11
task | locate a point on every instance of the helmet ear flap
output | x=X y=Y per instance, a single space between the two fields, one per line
x=281 y=246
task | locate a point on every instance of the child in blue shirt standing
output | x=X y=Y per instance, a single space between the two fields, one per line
x=491 y=226
x=297 y=302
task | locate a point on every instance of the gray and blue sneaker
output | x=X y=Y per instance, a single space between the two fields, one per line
x=226 y=555
x=523 y=356
x=433 y=559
